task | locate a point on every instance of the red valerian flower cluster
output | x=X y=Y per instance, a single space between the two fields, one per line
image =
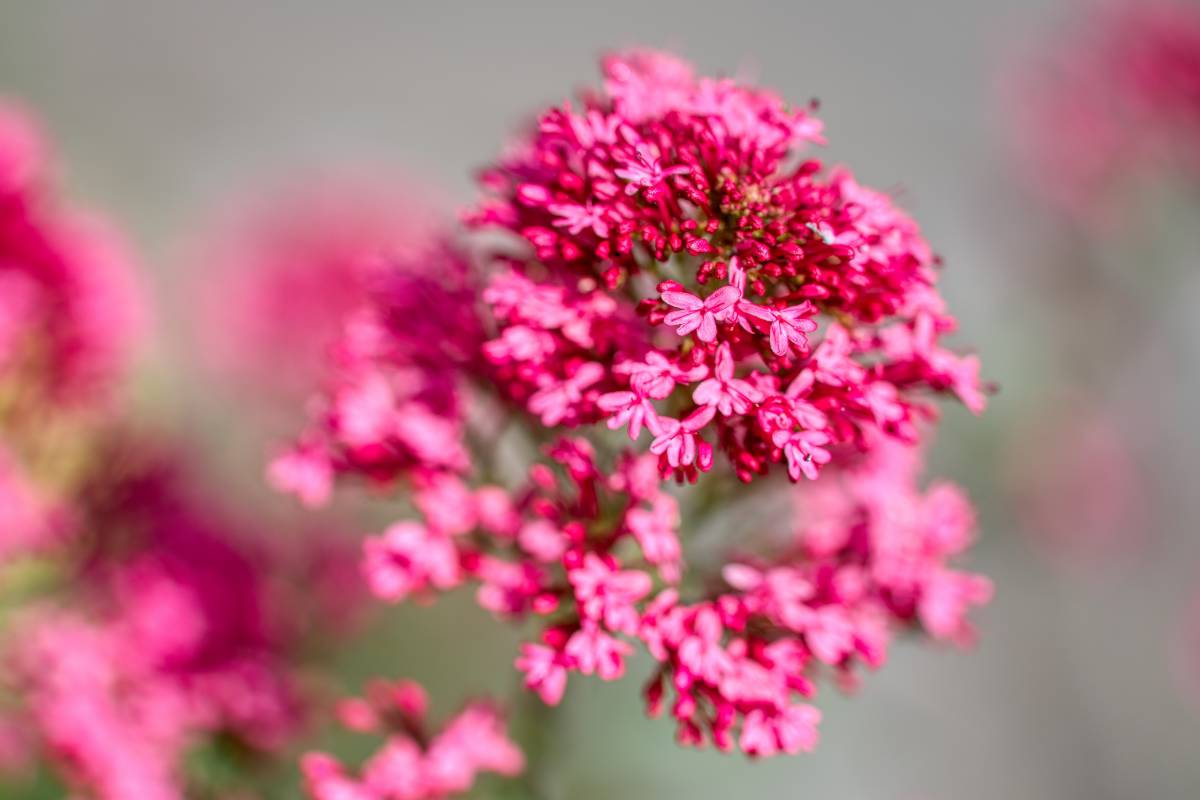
x=70 y=311
x=414 y=763
x=146 y=629
x=674 y=267
x=164 y=631
x=686 y=272
x=69 y=307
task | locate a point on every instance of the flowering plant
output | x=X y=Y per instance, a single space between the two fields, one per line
x=660 y=258
x=667 y=390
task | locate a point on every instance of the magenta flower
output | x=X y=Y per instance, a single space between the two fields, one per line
x=663 y=203
x=728 y=394
x=409 y=558
x=699 y=315
x=645 y=172
x=545 y=671
x=677 y=439
x=628 y=409
x=804 y=451
x=414 y=764
x=607 y=594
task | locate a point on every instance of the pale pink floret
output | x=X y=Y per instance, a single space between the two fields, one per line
x=678 y=441
x=554 y=401
x=409 y=558
x=545 y=672
x=305 y=473
x=414 y=763
x=607 y=594
x=596 y=652
x=646 y=171
x=728 y=394
x=655 y=529
x=628 y=409
x=699 y=315
x=579 y=218
x=804 y=450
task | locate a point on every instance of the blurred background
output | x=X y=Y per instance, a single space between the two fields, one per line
x=1086 y=680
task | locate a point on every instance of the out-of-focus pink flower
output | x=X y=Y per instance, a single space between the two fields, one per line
x=70 y=309
x=408 y=558
x=278 y=275
x=1114 y=99
x=545 y=671
x=28 y=521
x=391 y=406
x=1084 y=498
x=167 y=634
x=414 y=763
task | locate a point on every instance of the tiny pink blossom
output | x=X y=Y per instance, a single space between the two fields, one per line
x=596 y=652
x=655 y=529
x=607 y=594
x=628 y=409
x=577 y=218
x=545 y=672
x=699 y=315
x=728 y=394
x=646 y=172
x=305 y=473
x=407 y=558
x=555 y=401
x=677 y=439
x=804 y=451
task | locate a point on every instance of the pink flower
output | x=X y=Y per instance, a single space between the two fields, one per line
x=542 y=540
x=701 y=651
x=607 y=594
x=656 y=376
x=804 y=451
x=595 y=652
x=305 y=473
x=415 y=763
x=628 y=409
x=677 y=439
x=556 y=400
x=545 y=672
x=785 y=325
x=699 y=315
x=646 y=172
x=578 y=218
x=946 y=598
x=792 y=730
x=408 y=558
x=728 y=394
x=655 y=530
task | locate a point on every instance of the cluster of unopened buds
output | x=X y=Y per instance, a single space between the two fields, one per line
x=661 y=259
